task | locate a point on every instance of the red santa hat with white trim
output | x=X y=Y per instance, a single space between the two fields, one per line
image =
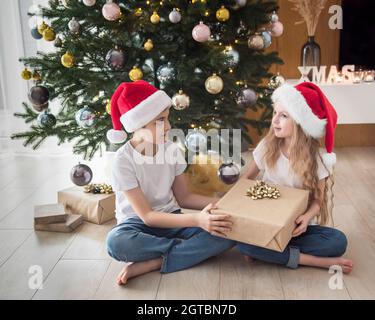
x=133 y=105
x=310 y=108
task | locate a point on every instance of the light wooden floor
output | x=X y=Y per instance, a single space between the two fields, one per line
x=76 y=265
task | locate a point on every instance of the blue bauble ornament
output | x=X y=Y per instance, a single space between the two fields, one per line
x=267 y=39
x=35 y=33
x=46 y=120
x=86 y=117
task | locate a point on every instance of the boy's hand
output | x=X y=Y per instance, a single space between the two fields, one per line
x=217 y=225
x=302 y=224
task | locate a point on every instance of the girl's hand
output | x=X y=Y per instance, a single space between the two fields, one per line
x=302 y=224
x=217 y=225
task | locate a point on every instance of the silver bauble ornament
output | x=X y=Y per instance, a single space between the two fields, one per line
x=180 y=100
x=229 y=173
x=247 y=98
x=274 y=17
x=115 y=59
x=196 y=140
x=233 y=57
x=74 y=25
x=175 y=16
x=166 y=73
x=241 y=3
x=81 y=174
x=89 y=3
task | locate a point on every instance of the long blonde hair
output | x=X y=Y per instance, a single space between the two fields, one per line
x=304 y=152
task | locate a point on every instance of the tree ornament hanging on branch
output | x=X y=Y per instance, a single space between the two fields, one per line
x=89 y=3
x=26 y=74
x=174 y=16
x=115 y=59
x=256 y=42
x=222 y=14
x=111 y=11
x=180 y=100
x=214 y=84
x=46 y=120
x=42 y=27
x=135 y=74
x=38 y=95
x=67 y=60
x=74 y=26
x=155 y=18
x=86 y=117
x=201 y=32
x=148 y=45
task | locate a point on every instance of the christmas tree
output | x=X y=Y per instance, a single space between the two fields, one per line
x=208 y=55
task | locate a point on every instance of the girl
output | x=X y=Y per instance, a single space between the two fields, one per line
x=151 y=234
x=289 y=155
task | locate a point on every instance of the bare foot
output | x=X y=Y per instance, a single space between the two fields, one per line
x=123 y=276
x=325 y=262
x=248 y=259
x=345 y=264
x=133 y=269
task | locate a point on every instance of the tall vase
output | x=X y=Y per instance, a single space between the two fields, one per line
x=310 y=54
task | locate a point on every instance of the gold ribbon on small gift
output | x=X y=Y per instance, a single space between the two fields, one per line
x=98 y=188
x=262 y=190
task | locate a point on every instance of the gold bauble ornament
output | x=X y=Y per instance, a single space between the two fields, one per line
x=135 y=74
x=26 y=74
x=276 y=81
x=49 y=34
x=108 y=106
x=138 y=12
x=43 y=26
x=36 y=76
x=67 y=60
x=155 y=18
x=148 y=45
x=214 y=84
x=222 y=14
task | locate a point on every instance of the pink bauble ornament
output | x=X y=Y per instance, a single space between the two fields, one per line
x=111 y=11
x=201 y=32
x=277 y=29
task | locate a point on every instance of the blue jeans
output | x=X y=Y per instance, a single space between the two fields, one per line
x=180 y=248
x=317 y=241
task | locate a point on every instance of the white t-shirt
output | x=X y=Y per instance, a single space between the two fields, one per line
x=282 y=173
x=153 y=175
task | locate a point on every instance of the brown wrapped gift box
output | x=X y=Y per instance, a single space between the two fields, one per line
x=95 y=208
x=267 y=223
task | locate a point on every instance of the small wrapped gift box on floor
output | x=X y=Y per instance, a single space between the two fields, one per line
x=52 y=217
x=72 y=222
x=96 y=208
x=266 y=222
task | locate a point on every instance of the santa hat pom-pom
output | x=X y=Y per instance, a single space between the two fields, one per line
x=329 y=159
x=116 y=136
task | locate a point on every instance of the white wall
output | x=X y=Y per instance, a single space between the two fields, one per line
x=15 y=42
x=11 y=47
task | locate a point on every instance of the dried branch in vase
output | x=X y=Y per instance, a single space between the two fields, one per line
x=310 y=11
